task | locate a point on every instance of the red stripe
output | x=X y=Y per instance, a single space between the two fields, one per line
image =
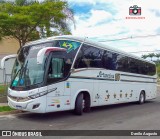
x=53 y=49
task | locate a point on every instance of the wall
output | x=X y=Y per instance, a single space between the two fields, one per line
x=7 y=46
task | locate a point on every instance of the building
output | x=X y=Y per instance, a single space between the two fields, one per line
x=7 y=46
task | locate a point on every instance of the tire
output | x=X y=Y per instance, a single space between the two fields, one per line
x=79 y=104
x=141 y=98
x=87 y=103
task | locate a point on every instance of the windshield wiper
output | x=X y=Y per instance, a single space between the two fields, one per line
x=21 y=70
x=15 y=77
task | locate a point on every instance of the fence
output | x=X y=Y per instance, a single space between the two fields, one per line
x=5 y=78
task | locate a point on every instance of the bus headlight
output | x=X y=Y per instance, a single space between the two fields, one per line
x=38 y=95
x=19 y=99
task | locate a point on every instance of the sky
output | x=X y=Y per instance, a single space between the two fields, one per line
x=104 y=20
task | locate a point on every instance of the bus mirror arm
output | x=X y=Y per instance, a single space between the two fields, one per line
x=4 y=59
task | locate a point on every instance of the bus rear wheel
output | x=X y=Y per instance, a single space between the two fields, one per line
x=141 y=98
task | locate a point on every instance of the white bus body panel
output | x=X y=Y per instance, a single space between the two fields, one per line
x=102 y=85
x=104 y=91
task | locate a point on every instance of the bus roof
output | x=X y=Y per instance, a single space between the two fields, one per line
x=87 y=41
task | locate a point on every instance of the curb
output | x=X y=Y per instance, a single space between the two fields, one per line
x=11 y=112
x=3 y=104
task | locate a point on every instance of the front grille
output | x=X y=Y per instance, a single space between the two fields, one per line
x=19 y=99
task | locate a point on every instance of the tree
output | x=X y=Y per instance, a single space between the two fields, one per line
x=23 y=2
x=158 y=56
x=151 y=55
x=144 y=56
x=2 y=1
x=158 y=69
x=27 y=21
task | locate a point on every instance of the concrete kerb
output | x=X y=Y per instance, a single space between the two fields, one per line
x=3 y=104
x=9 y=112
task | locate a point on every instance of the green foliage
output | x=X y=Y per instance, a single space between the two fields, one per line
x=151 y=55
x=2 y=88
x=24 y=2
x=157 y=55
x=2 y=1
x=158 y=69
x=21 y=19
x=144 y=56
x=5 y=108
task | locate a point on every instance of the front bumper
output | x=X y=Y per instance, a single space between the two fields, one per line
x=37 y=105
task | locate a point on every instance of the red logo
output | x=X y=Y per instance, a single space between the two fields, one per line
x=134 y=10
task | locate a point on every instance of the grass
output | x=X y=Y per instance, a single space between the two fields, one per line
x=5 y=108
x=2 y=88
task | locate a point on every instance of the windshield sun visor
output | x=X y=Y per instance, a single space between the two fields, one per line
x=44 y=51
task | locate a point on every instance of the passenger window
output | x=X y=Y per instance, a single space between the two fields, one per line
x=109 y=60
x=89 y=57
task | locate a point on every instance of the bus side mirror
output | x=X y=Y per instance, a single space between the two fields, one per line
x=41 y=54
x=5 y=59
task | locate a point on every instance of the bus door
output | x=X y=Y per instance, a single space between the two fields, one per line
x=56 y=79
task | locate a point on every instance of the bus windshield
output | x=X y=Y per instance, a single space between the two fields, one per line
x=26 y=71
x=28 y=74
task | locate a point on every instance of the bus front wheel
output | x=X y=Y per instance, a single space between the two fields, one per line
x=79 y=104
x=141 y=97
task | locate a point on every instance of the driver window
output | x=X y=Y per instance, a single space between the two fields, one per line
x=56 y=69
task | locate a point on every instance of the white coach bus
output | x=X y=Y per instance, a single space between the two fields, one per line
x=71 y=73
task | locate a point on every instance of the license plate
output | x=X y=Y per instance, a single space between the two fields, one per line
x=19 y=107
